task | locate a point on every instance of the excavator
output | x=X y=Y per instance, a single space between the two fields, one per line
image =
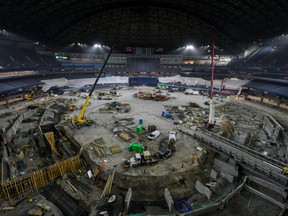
x=29 y=97
x=32 y=93
x=80 y=120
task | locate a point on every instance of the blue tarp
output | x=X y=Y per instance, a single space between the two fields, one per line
x=5 y=87
x=270 y=88
x=13 y=86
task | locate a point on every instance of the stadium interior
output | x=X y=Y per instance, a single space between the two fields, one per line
x=215 y=73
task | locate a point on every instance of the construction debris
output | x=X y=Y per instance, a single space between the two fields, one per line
x=115 y=106
x=99 y=147
x=156 y=95
x=115 y=149
x=108 y=186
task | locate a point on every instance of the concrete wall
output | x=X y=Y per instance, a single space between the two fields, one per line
x=17 y=124
x=226 y=167
x=201 y=188
x=272 y=127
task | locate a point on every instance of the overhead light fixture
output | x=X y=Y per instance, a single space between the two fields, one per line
x=190 y=47
x=97 y=45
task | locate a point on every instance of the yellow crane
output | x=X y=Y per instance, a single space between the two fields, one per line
x=81 y=120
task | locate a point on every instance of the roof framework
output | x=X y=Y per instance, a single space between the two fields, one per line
x=166 y=23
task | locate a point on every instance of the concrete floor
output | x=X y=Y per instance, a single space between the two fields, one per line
x=150 y=112
x=149 y=181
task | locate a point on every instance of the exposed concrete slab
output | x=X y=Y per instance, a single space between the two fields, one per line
x=214 y=174
x=128 y=199
x=26 y=127
x=168 y=198
x=201 y=188
x=225 y=167
x=21 y=141
x=228 y=177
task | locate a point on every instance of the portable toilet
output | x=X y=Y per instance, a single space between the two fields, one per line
x=139 y=128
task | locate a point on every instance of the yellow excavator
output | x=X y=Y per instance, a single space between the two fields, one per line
x=29 y=97
x=80 y=120
x=32 y=93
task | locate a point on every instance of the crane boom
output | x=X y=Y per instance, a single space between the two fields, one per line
x=80 y=118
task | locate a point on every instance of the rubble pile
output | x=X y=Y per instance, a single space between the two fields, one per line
x=156 y=95
x=115 y=107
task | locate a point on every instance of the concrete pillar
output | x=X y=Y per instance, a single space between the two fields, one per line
x=7 y=101
x=169 y=199
x=201 y=188
x=212 y=112
x=278 y=102
x=261 y=100
x=128 y=199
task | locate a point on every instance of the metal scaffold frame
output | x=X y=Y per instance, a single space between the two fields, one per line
x=33 y=181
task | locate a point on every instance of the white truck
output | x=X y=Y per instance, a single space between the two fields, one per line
x=172 y=136
x=172 y=140
x=140 y=160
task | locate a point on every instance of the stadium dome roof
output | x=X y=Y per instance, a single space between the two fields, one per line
x=154 y=23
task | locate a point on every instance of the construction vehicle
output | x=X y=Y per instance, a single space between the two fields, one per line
x=167 y=115
x=141 y=159
x=171 y=141
x=172 y=136
x=285 y=171
x=81 y=120
x=29 y=97
x=162 y=155
x=31 y=94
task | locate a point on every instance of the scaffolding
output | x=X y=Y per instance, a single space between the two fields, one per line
x=31 y=182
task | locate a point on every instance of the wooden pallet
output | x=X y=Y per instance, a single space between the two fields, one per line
x=115 y=149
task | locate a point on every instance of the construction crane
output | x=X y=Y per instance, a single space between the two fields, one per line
x=81 y=120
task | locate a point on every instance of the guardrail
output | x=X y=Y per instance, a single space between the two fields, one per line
x=246 y=157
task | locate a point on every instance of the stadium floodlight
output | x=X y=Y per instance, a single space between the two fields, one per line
x=97 y=45
x=191 y=47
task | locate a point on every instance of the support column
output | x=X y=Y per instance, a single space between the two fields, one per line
x=169 y=199
x=278 y=103
x=128 y=199
x=212 y=112
x=212 y=105
x=261 y=100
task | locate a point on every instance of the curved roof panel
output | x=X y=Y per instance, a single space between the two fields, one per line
x=155 y=23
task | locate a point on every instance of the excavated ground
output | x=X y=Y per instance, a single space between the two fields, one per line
x=175 y=172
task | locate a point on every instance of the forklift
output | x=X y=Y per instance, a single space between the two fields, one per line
x=80 y=120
